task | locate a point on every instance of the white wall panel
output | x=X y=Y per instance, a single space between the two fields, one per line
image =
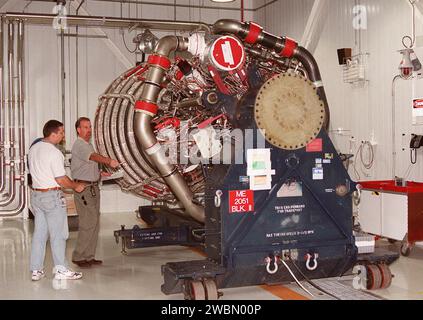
x=365 y=109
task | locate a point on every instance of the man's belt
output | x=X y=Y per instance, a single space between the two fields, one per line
x=94 y=183
x=48 y=189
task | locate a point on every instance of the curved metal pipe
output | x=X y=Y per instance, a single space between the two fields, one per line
x=393 y=125
x=2 y=113
x=21 y=206
x=11 y=118
x=146 y=136
x=109 y=103
x=252 y=33
x=21 y=121
x=312 y=69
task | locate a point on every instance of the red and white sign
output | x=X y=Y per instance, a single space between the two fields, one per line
x=241 y=201
x=315 y=146
x=418 y=108
x=418 y=103
x=227 y=53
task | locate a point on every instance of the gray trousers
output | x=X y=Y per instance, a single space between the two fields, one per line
x=87 y=205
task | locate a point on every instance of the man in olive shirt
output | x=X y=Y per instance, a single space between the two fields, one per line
x=85 y=168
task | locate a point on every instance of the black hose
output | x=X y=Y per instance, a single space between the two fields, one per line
x=310 y=65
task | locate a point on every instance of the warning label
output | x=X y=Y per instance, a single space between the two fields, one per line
x=295 y=208
x=241 y=201
x=290 y=234
x=315 y=146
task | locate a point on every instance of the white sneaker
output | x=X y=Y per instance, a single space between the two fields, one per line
x=38 y=275
x=67 y=275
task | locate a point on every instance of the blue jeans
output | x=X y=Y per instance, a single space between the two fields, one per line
x=49 y=209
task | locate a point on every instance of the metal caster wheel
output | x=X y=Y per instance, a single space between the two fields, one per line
x=386 y=276
x=406 y=246
x=196 y=290
x=211 y=289
x=374 y=277
x=405 y=250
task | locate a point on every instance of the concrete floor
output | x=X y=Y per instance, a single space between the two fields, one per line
x=138 y=276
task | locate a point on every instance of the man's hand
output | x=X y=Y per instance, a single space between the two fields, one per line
x=113 y=163
x=79 y=187
x=66 y=183
x=105 y=174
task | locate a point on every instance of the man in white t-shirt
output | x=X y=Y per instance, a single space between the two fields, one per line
x=46 y=166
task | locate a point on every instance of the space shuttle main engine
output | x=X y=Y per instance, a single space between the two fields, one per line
x=288 y=203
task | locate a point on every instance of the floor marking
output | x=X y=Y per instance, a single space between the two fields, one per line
x=283 y=292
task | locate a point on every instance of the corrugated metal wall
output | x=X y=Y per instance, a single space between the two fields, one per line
x=362 y=109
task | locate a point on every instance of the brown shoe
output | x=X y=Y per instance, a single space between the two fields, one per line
x=82 y=263
x=94 y=261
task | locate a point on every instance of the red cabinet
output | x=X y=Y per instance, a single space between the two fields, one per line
x=393 y=212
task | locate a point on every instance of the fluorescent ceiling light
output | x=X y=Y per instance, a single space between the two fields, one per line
x=222 y=0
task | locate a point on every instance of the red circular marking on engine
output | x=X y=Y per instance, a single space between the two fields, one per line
x=227 y=53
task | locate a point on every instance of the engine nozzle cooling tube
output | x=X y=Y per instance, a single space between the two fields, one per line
x=146 y=108
x=252 y=33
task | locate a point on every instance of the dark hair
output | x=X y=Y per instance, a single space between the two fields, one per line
x=78 y=122
x=51 y=126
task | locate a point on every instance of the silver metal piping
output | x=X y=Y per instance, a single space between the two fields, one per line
x=77 y=61
x=2 y=112
x=114 y=104
x=147 y=138
x=63 y=76
x=270 y=41
x=21 y=120
x=179 y=5
x=11 y=117
x=109 y=22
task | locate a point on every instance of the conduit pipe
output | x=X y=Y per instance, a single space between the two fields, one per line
x=11 y=116
x=394 y=143
x=108 y=22
x=2 y=113
x=146 y=108
x=21 y=117
x=252 y=33
x=118 y=103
